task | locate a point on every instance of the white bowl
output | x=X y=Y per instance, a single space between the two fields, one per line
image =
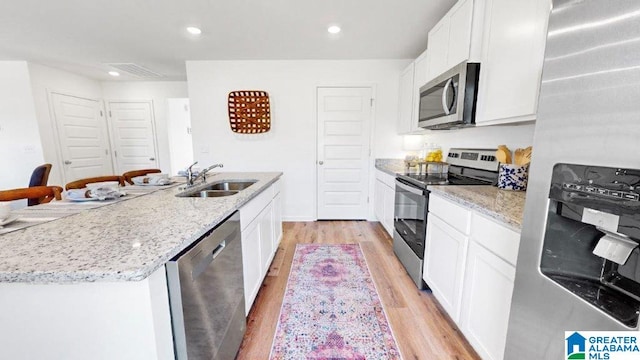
x=104 y=184
x=158 y=175
x=5 y=210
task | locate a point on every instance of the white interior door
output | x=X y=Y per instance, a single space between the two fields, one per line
x=133 y=135
x=180 y=141
x=344 y=121
x=83 y=137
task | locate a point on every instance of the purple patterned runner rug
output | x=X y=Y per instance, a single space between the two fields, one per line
x=331 y=309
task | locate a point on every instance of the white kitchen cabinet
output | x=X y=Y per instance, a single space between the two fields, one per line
x=251 y=270
x=444 y=262
x=384 y=200
x=450 y=39
x=405 y=100
x=438 y=47
x=488 y=285
x=261 y=224
x=409 y=95
x=511 y=62
x=470 y=264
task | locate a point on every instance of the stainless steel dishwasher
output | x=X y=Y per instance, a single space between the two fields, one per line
x=206 y=295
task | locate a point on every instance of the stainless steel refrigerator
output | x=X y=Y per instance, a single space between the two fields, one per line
x=583 y=173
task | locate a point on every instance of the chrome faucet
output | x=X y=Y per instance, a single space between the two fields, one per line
x=191 y=179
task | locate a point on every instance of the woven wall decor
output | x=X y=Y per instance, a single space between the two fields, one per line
x=249 y=111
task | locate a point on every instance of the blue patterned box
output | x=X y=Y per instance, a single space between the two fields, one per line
x=513 y=177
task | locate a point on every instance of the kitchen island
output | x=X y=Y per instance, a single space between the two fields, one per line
x=93 y=285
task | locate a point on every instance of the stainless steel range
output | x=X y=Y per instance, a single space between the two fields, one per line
x=466 y=167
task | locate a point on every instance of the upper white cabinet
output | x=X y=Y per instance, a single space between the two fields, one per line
x=405 y=100
x=511 y=62
x=450 y=39
x=411 y=79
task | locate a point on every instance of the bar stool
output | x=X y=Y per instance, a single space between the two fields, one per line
x=82 y=183
x=43 y=194
x=129 y=175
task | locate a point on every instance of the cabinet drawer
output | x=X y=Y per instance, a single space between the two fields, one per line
x=389 y=180
x=497 y=238
x=250 y=210
x=455 y=215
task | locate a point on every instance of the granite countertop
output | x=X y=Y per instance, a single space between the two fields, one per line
x=502 y=205
x=390 y=166
x=125 y=241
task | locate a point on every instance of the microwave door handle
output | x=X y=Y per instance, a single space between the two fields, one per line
x=445 y=98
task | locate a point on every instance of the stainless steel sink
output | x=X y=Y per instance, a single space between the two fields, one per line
x=218 y=189
x=230 y=185
x=213 y=193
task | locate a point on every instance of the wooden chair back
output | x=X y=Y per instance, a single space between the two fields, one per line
x=39 y=177
x=44 y=194
x=131 y=174
x=82 y=183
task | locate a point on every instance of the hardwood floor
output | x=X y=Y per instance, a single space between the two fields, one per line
x=421 y=328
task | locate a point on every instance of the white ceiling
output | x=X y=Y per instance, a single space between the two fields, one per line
x=81 y=36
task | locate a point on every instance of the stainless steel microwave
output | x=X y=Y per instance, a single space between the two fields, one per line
x=449 y=100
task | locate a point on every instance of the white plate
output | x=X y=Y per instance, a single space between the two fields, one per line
x=9 y=220
x=83 y=199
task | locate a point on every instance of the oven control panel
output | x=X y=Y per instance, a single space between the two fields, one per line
x=600 y=191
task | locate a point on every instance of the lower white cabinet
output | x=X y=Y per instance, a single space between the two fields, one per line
x=445 y=251
x=384 y=199
x=488 y=285
x=261 y=223
x=470 y=265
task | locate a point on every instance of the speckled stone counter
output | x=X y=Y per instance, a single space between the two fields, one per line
x=125 y=241
x=390 y=166
x=502 y=205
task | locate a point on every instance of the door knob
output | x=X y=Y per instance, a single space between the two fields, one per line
x=320 y=162
x=152 y=159
x=67 y=162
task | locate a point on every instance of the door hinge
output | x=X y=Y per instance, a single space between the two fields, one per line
x=367 y=199
x=106 y=151
x=115 y=153
x=101 y=113
x=371 y=102
x=110 y=113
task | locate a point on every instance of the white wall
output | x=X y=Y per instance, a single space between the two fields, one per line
x=20 y=149
x=290 y=146
x=158 y=92
x=488 y=137
x=45 y=79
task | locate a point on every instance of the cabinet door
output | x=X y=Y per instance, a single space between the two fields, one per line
x=277 y=221
x=266 y=239
x=378 y=200
x=512 y=56
x=459 y=32
x=438 y=47
x=488 y=287
x=444 y=262
x=420 y=78
x=405 y=100
x=389 y=207
x=251 y=263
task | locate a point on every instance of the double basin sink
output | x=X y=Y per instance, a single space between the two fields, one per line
x=218 y=189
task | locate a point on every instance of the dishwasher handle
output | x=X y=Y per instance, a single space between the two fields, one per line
x=204 y=263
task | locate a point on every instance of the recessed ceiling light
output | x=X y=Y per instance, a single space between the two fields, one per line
x=334 y=29
x=194 y=30
x=114 y=73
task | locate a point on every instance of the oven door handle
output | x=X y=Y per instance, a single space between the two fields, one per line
x=409 y=188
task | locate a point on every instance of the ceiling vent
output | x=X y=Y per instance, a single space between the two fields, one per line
x=136 y=70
